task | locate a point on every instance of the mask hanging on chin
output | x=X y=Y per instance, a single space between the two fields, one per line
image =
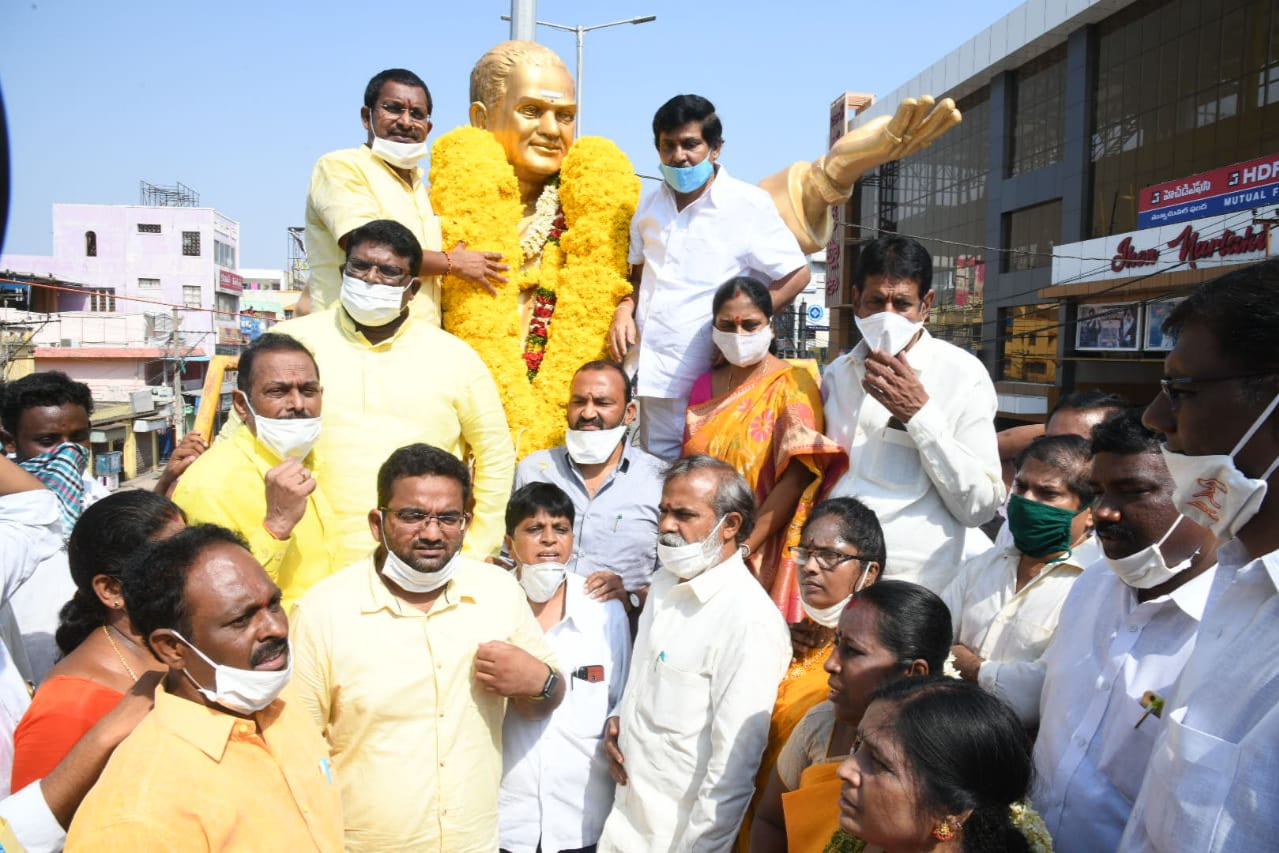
x=1147 y=568
x=410 y=579
x=743 y=350
x=887 y=331
x=689 y=561
x=402 y=155
x=285 y=437
x=371 y=305
x=1212 y=492
x=593 y=446
x=687 y=179
x=828 y=617
x=244 y=691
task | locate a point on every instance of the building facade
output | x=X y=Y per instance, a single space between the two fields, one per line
x=1075 y=113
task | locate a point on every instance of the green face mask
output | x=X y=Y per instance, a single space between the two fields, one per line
x=1039 y=529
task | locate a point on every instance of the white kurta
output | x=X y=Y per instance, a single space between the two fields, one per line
x=1109 y=649
x=694 y=719
x=932 y=481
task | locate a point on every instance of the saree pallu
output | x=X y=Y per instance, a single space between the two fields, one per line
x=761 y=428
x=812 y=809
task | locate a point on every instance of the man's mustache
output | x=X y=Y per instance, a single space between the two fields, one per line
x=268 y=650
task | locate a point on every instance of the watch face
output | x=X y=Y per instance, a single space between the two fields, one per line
x=549 y=687
x=634 y=599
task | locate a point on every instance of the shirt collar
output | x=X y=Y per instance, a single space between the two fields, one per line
x=352 y=333
x=713 y=197
x=379 y=597
x=579 y=608
x=264 y=459
x=1192 y=596
x=417 y=171
x=205 y=727
x=708 y=583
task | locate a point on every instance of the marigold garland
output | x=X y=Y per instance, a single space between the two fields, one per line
x=475 y=192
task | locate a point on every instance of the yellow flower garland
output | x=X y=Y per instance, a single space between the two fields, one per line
x=475 y=193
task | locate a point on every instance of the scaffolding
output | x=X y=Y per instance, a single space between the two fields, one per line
x=296 y=270
x=178 y=195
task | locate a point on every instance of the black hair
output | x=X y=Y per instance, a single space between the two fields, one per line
x=36 y=390
x=102 y=542
x=1088 y=400
x=858 y=526
x=895 y=257
x=528 y=500
x=389 y=233
x=154 y=581
x=608 y=364
x=394 y=75
x=682 y=109
x=1124 y=433
x=732 y=494
x=752 y=289
x=1239 y=310
x=1070 y=454
x=269 y=342
x=967 y=750
x=421 y=460
x=913 y=622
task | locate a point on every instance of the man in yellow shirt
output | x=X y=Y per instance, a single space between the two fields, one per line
x=223 y=762
x=407 y=660
x=393 y=380
x=259 y=483
x=381 y=180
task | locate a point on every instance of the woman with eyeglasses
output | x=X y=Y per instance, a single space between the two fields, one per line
x=840 y=551
x=886 y=632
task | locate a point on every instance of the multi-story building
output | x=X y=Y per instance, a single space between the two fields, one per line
x=1085 y=187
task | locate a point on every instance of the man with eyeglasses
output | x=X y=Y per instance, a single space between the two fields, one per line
x=381 y=180
x=409 y=659
x=392 y=379
x=1212 y=783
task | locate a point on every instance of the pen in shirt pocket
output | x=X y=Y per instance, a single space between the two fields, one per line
x=617 y=521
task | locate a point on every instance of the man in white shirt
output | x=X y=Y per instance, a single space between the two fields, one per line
x=701 y=228
x=710 y=653
x=917 y=417
x=556 y=789
x=1212 y=784
x=1125 y=632
x=1004 y=604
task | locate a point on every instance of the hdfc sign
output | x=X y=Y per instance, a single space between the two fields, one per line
x=1241 y=186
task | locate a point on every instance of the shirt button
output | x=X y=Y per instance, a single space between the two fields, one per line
x=1105 y=685
x=1132 y=629
x=1079 y=742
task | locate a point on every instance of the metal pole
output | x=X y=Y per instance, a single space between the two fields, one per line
x=577 y=83
x=524 y=20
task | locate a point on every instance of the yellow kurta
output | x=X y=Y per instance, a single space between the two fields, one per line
x=227 y=486
x=353 y=187
x=194 y=778
x=422 y=384
x=417 y=743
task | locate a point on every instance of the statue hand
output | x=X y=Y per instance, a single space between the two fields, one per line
x=914 y=126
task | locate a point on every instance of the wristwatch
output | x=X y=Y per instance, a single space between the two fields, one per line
x=548 y=689
x=634 y=599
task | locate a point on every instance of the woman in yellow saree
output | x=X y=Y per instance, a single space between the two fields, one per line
x=763 y=416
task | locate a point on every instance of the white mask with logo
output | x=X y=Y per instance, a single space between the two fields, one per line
x=402 y=155
x=828 y=617
x=689 y=561
x=410 y=579
x=285 y=437
x=887 y=331
x=593 y=446
x=1147 y=568
x=371 y=305
x=743 y=350
x=241 y=690
x=1212 y=492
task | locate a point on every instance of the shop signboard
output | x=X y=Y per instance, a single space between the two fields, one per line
x=1238 y=187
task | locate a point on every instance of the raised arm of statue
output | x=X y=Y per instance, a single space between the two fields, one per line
x=804 y=192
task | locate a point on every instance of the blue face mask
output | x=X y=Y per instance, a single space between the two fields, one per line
x=689 y=178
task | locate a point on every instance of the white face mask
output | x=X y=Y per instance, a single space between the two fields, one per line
x=743 y=350
x=241 y=690
x=1147 y=568
x=828 y=617
x=887 y=331
x=689 y=561
x=285 y=437
x=410 y=579
x=540 y=580
x=1212 y=492
x=592 y=446
x=402 y=155
x=371 y=305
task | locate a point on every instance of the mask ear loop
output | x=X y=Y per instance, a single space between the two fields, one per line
x=1252 y=430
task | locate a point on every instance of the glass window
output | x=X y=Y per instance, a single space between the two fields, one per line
x=1030 y=343
x=1029 y=236
x=101 y=299
x=148 y=284
x=1039 y=122
x=191 y=295
x=223 y=254
x=191 y=244
x=90 y=244
x=148 y=228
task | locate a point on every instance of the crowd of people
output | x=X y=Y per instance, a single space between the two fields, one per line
x=744 y=606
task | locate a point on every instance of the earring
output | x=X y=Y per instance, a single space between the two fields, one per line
x=942 y=831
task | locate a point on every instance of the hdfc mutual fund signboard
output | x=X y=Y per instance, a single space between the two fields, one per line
x=1211 y=242
x=1241 y=186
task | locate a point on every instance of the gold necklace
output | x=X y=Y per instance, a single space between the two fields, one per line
x=123 y=662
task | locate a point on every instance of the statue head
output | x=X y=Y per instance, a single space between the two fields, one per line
x=522 y=93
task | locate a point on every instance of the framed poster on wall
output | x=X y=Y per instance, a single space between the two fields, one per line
x=1109 y=327
x=1156 y=312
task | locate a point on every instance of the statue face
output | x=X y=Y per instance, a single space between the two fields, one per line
x=534 y=120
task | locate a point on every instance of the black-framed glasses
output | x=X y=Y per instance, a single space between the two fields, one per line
x=413 y=517
x=392 y=108
x=826 y=558
x=1173 y=386
x=388 y=273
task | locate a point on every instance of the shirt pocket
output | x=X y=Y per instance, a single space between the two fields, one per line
x=892 y=461
x=680 y=700
x=701 y=261
x=1029 y=638
x=1188 y=779
x=588 y=708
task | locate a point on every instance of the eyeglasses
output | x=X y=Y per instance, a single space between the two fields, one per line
x=1172 y=386
x=392 y=108
x=388 y=273
x=413 y=517
x=826 y=558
